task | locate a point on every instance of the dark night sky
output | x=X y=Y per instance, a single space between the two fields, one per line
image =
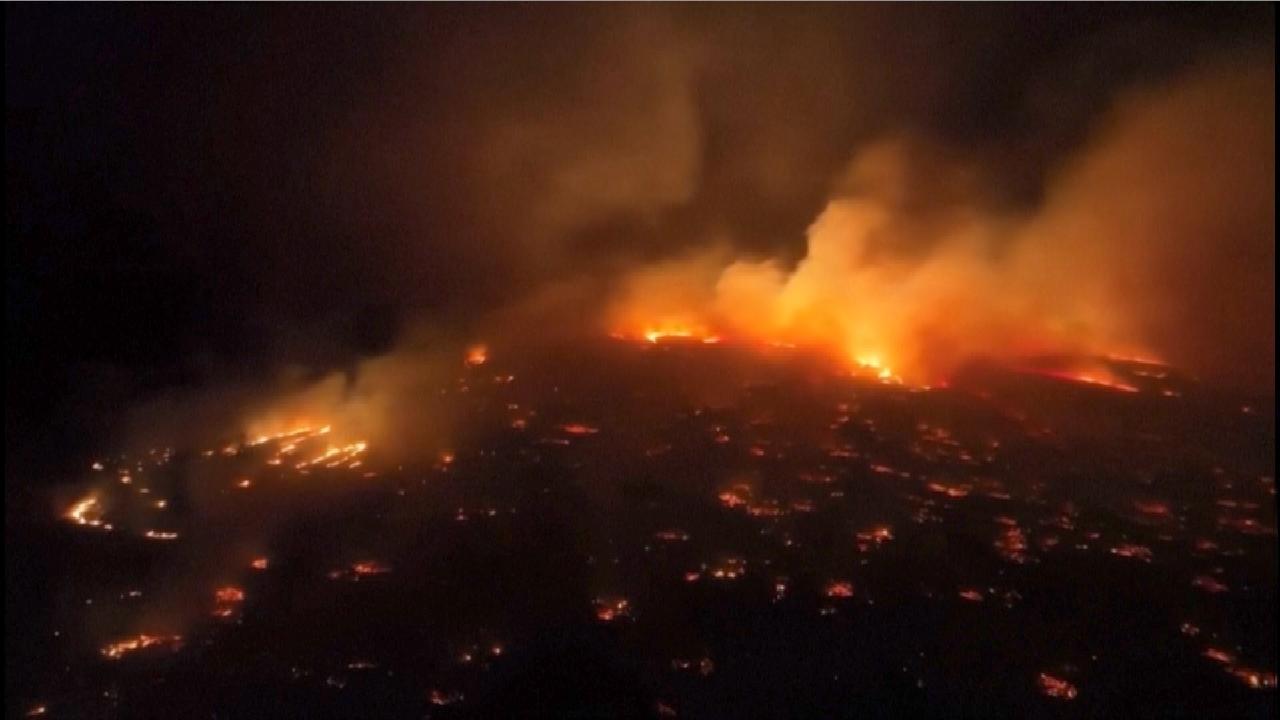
x=204 y=193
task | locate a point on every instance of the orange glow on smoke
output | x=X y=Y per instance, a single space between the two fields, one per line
x=889 y=293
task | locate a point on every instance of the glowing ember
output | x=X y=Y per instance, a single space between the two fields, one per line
x=839 y=589
x=1153 y=508
x=477 y=355
x=368 y=568
x=442 y=698
x=951 y=491
x=579 y=429
x=160 y=535
x=877 y=535
x=1256 y=679
x=1056 y=687
x=972 y=595
x=731 y=569
x=1012 y=546
x=1209 y=584
x=1221 y=656
x=734 y=498
x=1129 y=550
x=260 y=563
x=229 y=594
x=612 y=608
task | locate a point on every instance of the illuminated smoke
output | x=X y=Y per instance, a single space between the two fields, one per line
x=908 y=271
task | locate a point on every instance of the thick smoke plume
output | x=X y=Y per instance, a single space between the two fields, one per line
x=1156 y=238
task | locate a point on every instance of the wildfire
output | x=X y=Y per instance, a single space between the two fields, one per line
x=334 y=456
x=227 y=600
x=658 y=333
x=87 y=511
x=1095 y=380
x=120 y=648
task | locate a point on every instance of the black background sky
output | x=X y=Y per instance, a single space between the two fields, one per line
x=203 y=193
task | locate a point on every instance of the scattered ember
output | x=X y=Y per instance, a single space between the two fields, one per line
x=972 y=595
x=261 y=563
x=477 y=355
